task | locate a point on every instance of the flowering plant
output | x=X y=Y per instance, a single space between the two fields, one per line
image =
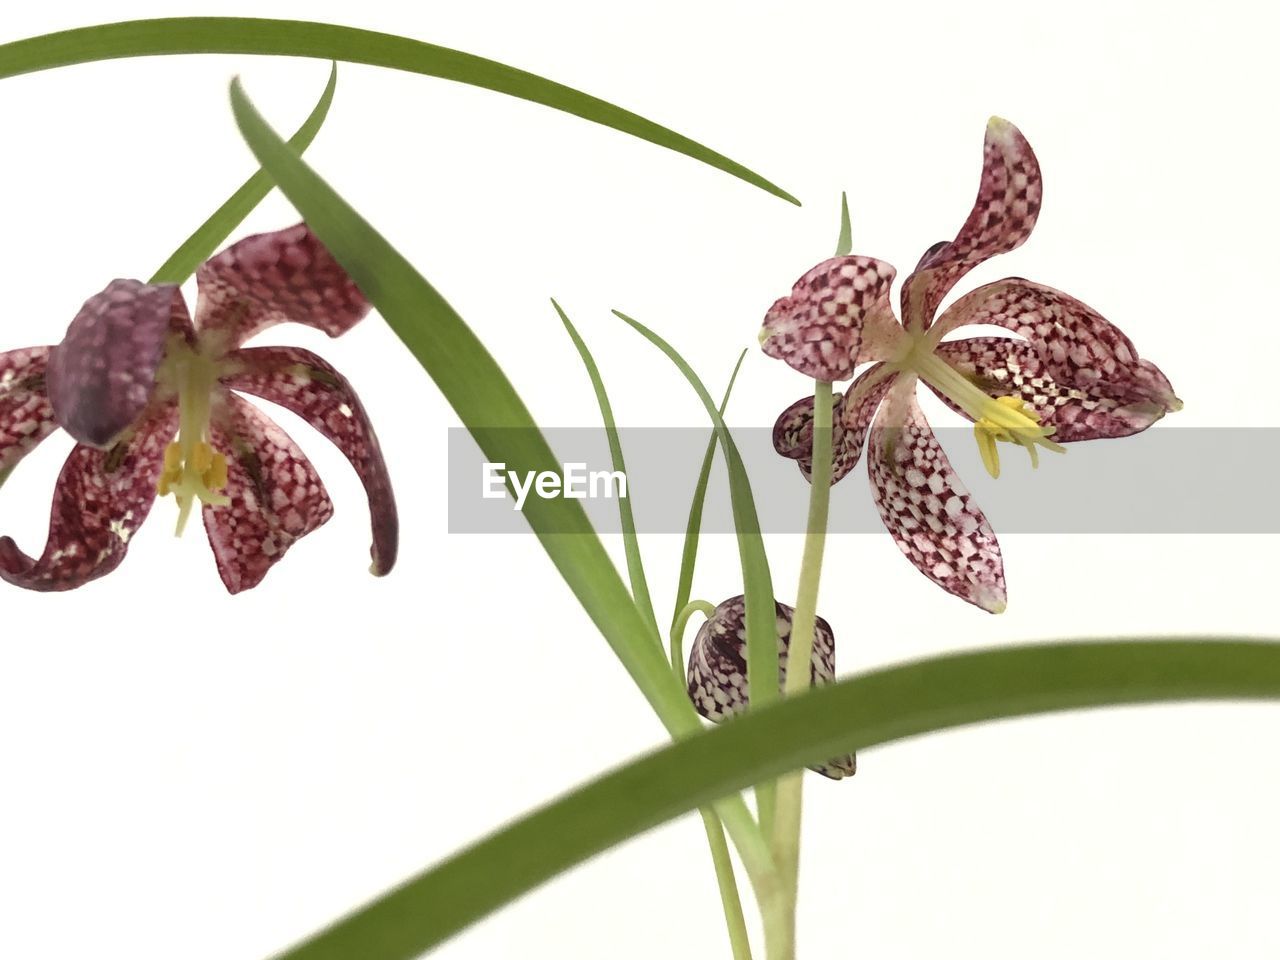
x=154 y=397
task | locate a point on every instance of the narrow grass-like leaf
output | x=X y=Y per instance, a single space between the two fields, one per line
x=757 y=583
x=200 y=246
x=301 y=38
x=853 y=714
x=844 y=243
x=482 y=397
x=630 y=542
x=486 y=402
x=693 y=528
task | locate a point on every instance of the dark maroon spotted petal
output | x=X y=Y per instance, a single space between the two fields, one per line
x=276 y=495
x=1002 y=217
x=819 y=328
x=102 y=375
x=854 y=411
x=281 y=277
x=1078 y=346
x=926 y=508
x=26 y=416
x=1004 y=367
x=307 y=385
x=100 y=501
x=718 y=667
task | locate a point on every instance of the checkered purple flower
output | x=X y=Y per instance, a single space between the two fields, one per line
x=1066 y=374
x=153 y=400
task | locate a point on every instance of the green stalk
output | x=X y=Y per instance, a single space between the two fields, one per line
x=786 y=833
x=734 y=921
x=725 y=879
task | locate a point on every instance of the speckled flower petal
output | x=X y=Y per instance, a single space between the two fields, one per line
x=100 y=501
x=270 y=278
x=926 y=508
x=820 y=328
x=854 y=411
x=1002 y=218
x=302 y=382
x=26 y=416
x=102 y=375
x=276 y=495
x=718 y=667
x=1003 y=367
x=1079 y=347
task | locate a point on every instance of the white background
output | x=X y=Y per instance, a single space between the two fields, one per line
x=191 y=775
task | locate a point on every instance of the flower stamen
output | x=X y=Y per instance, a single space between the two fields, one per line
x=193 y=470
x=995 y=419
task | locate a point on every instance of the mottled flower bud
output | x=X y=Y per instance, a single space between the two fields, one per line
x=718 y=667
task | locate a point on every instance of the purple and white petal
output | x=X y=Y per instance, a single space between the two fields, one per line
x=820 y=327
x=717 y=675
x=102 y=376
x=276 y=496
x=926 y=508
x=1078 y=346
x=854 y=411
x=307 y=385
x=1002 y=218
x=26 y=416
x=101 y=499
x=282 y=277
x=1003 y=367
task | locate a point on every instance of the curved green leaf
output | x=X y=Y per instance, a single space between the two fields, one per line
x=854 y=714
x=481 y=395
x=844 y=242
x=488 y=405
x=693 y=527
x=200 y=246
x=757 y=582
x=302 y=38
x=630 y=542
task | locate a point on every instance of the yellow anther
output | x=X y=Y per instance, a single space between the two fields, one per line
x=1011 y=420
x=172 y=472
x=215 y=477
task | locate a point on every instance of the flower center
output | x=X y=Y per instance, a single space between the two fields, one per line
x=995 y=419
x=193 y=469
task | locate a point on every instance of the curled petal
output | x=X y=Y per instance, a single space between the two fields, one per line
x=302 y=382
x=1002 y=218
x=100 y=501
x=1078 y=346
x=854 y=411
x=26 y=416
x=102 y=375
x=718 y=667
x=270 y=278
x=820 y=328
x=926 y=508
x=276 y=495
x=1004 y=367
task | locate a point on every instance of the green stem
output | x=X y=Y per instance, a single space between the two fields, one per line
x=677 y=632
x=786 y=833
x=734 y=920
x=725 y=879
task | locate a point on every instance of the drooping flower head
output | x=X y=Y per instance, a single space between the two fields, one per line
x=153 y=400
x=718 y=667
x=1066 y=374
